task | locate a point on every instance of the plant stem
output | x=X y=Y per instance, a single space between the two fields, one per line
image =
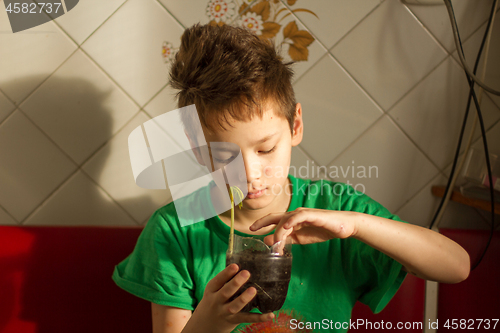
x=231 y=232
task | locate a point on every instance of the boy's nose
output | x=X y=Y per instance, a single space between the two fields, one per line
x=253 y=170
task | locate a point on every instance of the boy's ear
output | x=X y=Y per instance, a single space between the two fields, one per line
x=298 y=126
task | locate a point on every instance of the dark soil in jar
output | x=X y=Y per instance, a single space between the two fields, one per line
x=269 y=274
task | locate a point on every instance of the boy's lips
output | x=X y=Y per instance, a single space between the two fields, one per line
x=255 y=194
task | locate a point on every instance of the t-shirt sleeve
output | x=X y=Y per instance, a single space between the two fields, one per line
x=158 y=268
x=374 y=276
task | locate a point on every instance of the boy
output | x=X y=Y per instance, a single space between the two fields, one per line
x=348 y=248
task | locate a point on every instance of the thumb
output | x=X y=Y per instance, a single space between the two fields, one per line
x=269 y=240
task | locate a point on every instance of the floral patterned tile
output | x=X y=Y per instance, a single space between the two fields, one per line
x=204 y=11
x=273 y=21
x=268 y=19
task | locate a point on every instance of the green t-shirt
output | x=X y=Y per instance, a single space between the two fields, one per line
x=171 y=265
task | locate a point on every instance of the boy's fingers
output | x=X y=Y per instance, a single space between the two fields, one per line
x=230 y=288
x=239 y=303
x=281 y=235
x=272 y=218
x=220 y=279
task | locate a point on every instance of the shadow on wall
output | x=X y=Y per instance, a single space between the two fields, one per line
x=73 y=113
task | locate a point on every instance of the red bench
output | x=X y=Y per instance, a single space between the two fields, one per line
x=58 y=280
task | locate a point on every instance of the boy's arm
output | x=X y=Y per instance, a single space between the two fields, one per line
x=423 y=252
x=167 y=319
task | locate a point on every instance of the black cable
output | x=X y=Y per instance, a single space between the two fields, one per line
x=481 y=122
x=461 y=55
x=466 y=115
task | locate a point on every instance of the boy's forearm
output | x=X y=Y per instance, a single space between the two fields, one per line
x=423 y=252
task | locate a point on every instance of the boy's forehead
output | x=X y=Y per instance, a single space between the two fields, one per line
x=233 y=125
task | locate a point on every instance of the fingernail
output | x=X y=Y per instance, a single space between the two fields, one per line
x=245 y=274
x=251 y=227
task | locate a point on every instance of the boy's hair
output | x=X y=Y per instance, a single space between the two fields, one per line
x=226 y=70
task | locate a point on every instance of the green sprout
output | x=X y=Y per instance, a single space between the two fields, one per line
x=232 y=191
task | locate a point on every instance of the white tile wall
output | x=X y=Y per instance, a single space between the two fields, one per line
x=6 y=219
x=128 y=47
x=31 y=54
x=6 y=107
x=387 y=166
x=335 y=110
x=388 y=53
x=471 y=47
x=110 y=168
x=432 y=113
x=469 y=15
x=79 y=202
x=334 y=18
x=379 y=88
x=31 y=166
x=79 y=107
x=87 y=18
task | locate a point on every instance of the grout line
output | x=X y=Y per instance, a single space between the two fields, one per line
x=96 y=151
x=329 y=52
x=418 y=192
x=297 y=79
x=355 y=26
x=356 y=139
x=111 y=78
x=171 y=14
x=8 y=214
x=303 y=151
x=78 y=167
x=45 y=80
x=436 y=40
x=100 y=25
x=109 y=195
x=8 y=116
x=413 y=142
x=7 y=97
x=154 y=96
x=415 y=86
x=47 y=136
x=37 y=208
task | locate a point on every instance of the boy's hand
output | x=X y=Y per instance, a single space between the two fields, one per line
x=307 y=225
x=215 y=313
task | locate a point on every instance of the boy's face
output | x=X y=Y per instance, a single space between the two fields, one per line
x=266 y=145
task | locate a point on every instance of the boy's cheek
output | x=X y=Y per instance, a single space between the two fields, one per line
x=268 y=171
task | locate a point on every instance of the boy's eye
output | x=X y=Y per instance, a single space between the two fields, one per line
x=268 y=151
x=224 y=161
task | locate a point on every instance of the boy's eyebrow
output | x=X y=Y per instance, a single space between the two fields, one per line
x=264 y=139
